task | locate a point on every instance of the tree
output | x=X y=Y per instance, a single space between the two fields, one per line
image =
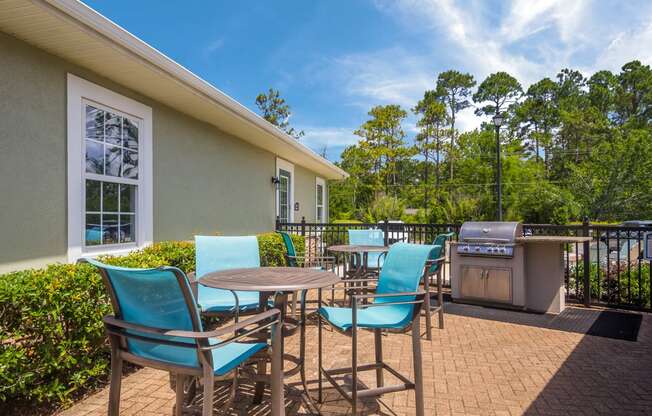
x=384 y=139
x=499 y=90
x=274 y=109
x=455 y=87
x=537 y=115
x=634 y=98
x=433 y=118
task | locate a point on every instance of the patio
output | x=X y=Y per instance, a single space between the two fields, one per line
x=482 y=363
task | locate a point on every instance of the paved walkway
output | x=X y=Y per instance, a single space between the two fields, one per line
x=475 y=366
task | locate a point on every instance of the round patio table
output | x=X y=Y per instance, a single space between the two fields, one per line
x=277 y=282
x=360 y=253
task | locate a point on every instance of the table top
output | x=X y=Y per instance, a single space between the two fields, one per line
x=553 y=239
x=353 y=248
x=269 y=279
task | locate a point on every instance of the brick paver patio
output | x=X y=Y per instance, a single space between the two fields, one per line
x=475 y=366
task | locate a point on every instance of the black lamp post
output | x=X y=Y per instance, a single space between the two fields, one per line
x=498 y=121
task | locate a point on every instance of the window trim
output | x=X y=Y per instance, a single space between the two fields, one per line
x=282 y=164
x=79 y=92
x=322 y=182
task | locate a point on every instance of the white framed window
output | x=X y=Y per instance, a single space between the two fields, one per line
x=285 y=190
x=320 y=200
x=110 y=196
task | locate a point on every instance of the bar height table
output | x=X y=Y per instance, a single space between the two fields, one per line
x=277 y=282
x=361 y=255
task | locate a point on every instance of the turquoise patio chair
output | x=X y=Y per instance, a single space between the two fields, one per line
x=294 y=260
x=156 y=324
x=370 y=237
x=396 y=306
x=214 y=254
x=436 y=261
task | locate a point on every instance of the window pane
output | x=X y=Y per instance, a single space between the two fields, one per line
x=129 y=164
x=127 y=198
x=320 y=195
x=110 y=226
x=110 y=197
x=93 y=195
x=129 y=134
x=94 y=157
x=113 y=160
x=94 y=123
x=93 y=230
x=113 y=131
x=320 y=214
x=127 y=228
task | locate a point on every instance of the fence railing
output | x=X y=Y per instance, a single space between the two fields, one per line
x=614 y=269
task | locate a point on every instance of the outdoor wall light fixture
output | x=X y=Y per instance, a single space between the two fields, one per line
x=276 y=181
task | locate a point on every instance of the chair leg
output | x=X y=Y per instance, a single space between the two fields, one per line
x=293 y=308
x=259 y=391
x=180 y=397
x=320 y=397
x=379 y=357
x=278 y=402
x=354 y=367
x=440 y=298
x=209 y=387
x=417 y=362
x=426 y=306
x=232 y=392
x=116 y=379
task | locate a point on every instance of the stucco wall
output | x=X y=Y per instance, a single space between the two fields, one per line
x=205 y=181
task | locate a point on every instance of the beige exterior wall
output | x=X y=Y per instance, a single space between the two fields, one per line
x=305 y=192
x=205 y=181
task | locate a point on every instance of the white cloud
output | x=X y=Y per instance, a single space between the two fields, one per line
x=530 y=39
x=332 y=137
x=389 y=76
x=214 y=46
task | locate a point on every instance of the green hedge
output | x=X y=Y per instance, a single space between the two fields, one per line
x=52 y=342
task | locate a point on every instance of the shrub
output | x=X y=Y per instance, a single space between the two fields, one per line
x=272 y=249
x=52 y=341
x=606 y=287
x=51 y=332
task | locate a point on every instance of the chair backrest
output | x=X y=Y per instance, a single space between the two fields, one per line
x=440 y=242
x=370 y=237
x=158 y=298
x=215 y=253
x=403 y=269
x=289 y=247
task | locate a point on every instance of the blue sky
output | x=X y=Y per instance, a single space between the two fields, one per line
x=334 y=59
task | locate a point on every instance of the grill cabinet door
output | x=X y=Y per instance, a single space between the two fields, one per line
x=499 y=285
x=472 y=282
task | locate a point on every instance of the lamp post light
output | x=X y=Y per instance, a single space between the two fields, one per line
x=498 y=121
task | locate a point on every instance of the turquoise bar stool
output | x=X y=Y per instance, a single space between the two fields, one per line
x=216 y=253
x=156 y=323
x=294 y=260
x=435 y=269
x=396 y=306
x=370 y=237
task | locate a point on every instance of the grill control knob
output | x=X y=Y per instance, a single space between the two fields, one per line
x=477 y=249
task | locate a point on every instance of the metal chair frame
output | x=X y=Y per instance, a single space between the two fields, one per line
x=119 y=331
x=378 y=365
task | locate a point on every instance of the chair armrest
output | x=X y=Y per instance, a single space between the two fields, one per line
x=194 y=283
x=112 y=322
x=437 y=260
x=388 y=295
x=419 y=296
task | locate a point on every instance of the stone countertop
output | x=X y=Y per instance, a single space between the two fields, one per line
x=559 y=239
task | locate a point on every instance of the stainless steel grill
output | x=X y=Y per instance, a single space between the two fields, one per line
x=488 y=239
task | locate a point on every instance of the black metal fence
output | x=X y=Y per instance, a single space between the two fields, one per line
x=614 y=269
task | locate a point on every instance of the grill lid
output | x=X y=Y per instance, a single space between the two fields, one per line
x=490 y=232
